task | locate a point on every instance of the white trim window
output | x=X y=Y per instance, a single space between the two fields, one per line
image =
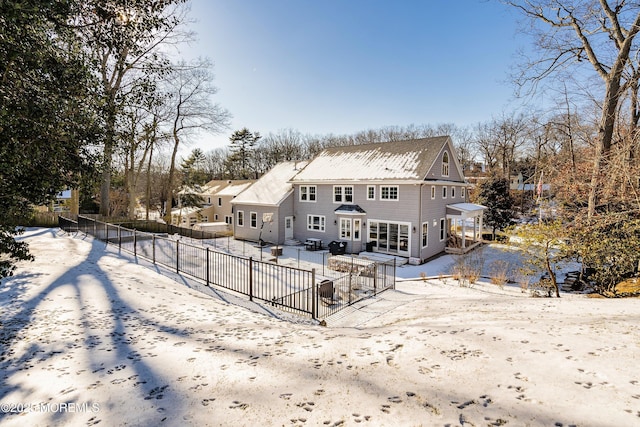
x=389 y=192
x=254 y=219
x=240 y=218
x=425 y=234
x=357 y=224
x=371 y=192
x=315 y=223
x=443 y=233
x=433 y=192
x=308 y=193
x=215 y=217
x=219 y=201
x=453 y=192
x=345 y=228
x=342 y=194
x=444 y=192
x=462 y=192
x=228 y=219
x=445 y=163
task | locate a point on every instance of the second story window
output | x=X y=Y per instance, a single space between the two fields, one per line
x=371 y=192
x=389 y=192
x=307 y=193
x=343 y=194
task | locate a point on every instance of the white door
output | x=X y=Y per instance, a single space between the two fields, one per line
x=288 y=227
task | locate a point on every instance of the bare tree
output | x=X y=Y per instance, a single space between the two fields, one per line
x=593 y=32
x=214 y=163
x=484 y=141
x=190 y=88
x=124 y=39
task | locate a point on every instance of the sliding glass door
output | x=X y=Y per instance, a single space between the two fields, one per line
x=389 y=237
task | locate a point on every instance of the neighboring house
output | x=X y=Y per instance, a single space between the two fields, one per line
x=405 y=198
x=265 y=210
x=65 y=202
x=216 y=207
x=519 y=183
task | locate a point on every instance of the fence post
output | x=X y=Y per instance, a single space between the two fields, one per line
x=314 y=296
x=135 y=240
x=394 y=273
x=178 y=256
x=119 y=238
x=207 y=266
x=95 y=228
x=153 y=248
x=375 y=277
x=250 y=278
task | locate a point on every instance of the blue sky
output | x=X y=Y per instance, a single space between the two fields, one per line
x=339 y=67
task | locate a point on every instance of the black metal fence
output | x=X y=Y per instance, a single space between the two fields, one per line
x=289 y=288
x=159 y=227
x=361 y=279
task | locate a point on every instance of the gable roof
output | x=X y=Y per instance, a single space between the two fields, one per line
x=212 y=187
x=235 y=187
x=398 y=160
x=272 y=187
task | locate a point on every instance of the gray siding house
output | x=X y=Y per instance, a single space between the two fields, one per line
x=404 y=198
x=264 y=211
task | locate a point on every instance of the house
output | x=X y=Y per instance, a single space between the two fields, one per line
x=404 y=198
x=65 y=202
x=216 y=207
x=264 y=212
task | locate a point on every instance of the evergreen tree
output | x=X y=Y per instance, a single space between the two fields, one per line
x=45 y=112
x=243 y=142
x=495 y=195
x=192 y=180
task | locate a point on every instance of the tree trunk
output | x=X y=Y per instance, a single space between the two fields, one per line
x=172 y=171
x=552 y=274
x=105 y=185
x=605 y=138
x=149 y=182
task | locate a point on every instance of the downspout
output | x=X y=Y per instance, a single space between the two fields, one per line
x=419 y=226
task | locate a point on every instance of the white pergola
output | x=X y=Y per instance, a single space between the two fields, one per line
x=458 y=216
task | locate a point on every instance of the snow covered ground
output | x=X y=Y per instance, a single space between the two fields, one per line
x=89 y=337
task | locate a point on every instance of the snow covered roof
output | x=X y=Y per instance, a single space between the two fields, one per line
x=185 y=211
x=212 y=187
x=465 y=209
x=273 y=186
x=398 y=160
x=350 y=210
x=235 y=188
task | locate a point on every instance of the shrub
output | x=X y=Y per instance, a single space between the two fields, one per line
x=499 y=273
